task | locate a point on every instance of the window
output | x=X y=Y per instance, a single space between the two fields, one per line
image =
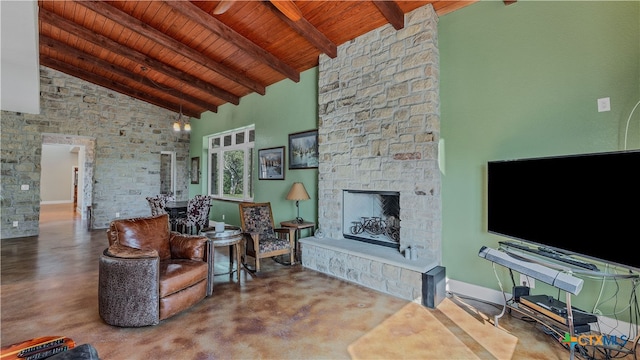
x=231 y=163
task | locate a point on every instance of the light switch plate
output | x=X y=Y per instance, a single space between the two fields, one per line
x=604 y=104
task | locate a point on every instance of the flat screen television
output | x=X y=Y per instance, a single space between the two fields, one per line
x=587 y=204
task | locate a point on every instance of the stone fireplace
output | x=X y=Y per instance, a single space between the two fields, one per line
x=379 y=126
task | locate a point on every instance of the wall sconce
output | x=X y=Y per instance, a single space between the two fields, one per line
x=297 y=193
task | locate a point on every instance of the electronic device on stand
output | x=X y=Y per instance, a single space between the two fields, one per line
x=559 y=317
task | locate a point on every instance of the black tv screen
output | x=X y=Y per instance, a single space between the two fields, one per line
x=585 y=204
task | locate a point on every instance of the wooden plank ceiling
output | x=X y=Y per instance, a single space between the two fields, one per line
x=195 y=56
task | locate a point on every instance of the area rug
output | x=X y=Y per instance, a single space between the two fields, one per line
x=447 y=332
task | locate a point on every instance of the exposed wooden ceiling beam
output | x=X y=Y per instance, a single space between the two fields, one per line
x=308 y=31
x=115 y=86
x=391 y=12
x=143 y=29
x=133 y=55
x=196 y=14
x=91 y=60
x=180 y=52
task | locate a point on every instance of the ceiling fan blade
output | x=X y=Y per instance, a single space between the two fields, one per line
x=288 y=8
x=222 y=7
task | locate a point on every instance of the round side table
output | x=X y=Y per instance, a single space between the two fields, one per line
x=231 y=237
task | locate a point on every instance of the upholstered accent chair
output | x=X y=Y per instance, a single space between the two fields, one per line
x=197 y=218
x=168 y=197
x=263 y=239
x=149 y=273
x=158 y=203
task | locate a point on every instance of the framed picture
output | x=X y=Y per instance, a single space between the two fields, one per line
x=195 y=170
x=271 y=163
x=303 y=150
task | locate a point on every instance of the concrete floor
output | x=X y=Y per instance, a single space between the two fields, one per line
x=49 y=287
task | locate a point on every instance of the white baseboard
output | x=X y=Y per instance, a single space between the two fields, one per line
x=53 y=202
x=476 y=292
x=607 y=325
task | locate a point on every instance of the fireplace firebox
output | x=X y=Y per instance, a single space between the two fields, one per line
x=372 y=217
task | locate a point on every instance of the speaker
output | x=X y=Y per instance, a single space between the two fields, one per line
x=434 y=287
x=547 y=275
x=568 y=283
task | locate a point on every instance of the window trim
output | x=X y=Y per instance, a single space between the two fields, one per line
x=248 y=147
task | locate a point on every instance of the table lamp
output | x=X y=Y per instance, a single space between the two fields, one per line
x=297 y=193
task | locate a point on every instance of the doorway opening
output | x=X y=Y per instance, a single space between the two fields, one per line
x=76 y=206
x=74 y=180
x=168 y=172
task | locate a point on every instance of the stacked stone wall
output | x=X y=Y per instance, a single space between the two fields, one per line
x=379 y=126
x=128 y=136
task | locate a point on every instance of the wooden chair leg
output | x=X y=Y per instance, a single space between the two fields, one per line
x=257 y=263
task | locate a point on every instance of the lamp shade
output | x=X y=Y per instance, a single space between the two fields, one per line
x=298 y=192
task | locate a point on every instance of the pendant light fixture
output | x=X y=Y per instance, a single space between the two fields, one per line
x=181 y=124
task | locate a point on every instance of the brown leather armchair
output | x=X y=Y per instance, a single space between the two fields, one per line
x=149 y=273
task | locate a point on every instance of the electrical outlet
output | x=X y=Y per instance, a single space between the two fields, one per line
x=222 y=217
x=24 y=187
x=15 y=224
x=117 y=214
x=527 y=281
x=604 y=104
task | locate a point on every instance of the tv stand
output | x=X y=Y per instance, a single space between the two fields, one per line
x=535 y=263
x=562 y=323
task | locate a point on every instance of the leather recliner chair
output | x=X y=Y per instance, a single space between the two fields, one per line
x=149 y=273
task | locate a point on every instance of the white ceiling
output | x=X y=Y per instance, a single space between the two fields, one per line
x=19 y=69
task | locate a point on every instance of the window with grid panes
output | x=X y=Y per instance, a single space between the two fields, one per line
x=230 y=164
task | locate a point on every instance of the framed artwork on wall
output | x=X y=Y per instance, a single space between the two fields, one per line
x=303 y=150
x=271 y=163
x=195 y=170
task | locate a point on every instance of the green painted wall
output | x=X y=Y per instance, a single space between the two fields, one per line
x=286 y=108
x=522 y=81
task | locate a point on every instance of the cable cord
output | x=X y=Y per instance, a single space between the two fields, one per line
x=595 y=305
x=626 y=130
x=634 y=319
x=495 y=272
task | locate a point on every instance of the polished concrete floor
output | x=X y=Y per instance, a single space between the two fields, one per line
x=49 y=287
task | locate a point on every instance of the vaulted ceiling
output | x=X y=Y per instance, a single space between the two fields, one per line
x=193 y=56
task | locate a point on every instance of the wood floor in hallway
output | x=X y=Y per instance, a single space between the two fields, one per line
x=49 y=287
